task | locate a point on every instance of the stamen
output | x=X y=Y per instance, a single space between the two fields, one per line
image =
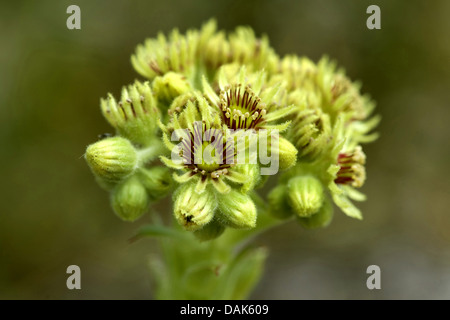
x=352 y=171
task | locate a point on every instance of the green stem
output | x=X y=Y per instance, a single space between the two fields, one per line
x=150 y=153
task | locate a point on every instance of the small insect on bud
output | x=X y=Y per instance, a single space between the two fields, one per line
x=170 y=86
x=278 y=202
x=306 y=195
x=210 y=231
x=111 y=160
x=192 y=210
x=130 y=199
x=237 y=210
x=321 y=219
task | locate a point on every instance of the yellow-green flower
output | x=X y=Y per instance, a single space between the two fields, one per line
x=135 y=115
x=201 y=135
x=246 y=102
x=241 y=46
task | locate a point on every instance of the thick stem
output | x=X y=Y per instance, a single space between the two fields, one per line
x=150 y=153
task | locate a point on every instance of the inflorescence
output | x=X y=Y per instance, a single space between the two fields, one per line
x=207 y=98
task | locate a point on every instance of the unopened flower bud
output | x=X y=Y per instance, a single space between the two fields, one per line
x=111 y=160
x=252 y=172
x=320 y=219
x=158 y=56
x=237 y=210
x=210 y=231
x=192 y=210
x=135 y=115
x=278 y=202
x=130 y=200
x=179 y=103
x=287 y=153
x=306 y=195
x=310 y=132
x=170 y=86
x=156 y=180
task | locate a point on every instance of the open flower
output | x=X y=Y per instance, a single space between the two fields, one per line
x=245 y=101
x=346 y=172
x=207 y=150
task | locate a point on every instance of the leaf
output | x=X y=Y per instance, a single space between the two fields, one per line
x=243 y=274
x=157 y=231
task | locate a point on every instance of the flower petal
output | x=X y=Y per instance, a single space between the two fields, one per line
x=237 y=177
x=171 y=164
x=184 y=177
x=354 y=194
x=220 y=185
x=209 y=92
x=280 y=127
x=280 y=113
x=347 y=206
x=201 y=185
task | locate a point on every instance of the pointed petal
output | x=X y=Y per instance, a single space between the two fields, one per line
x=280 y=127
x=236 y=177
x=209 y=92
x=183 y=178
x=171 y=164
x=167 y=142
x=354 y=194
x=221 y=186
x=280 y=113
x=349 y=208
x=201 y=185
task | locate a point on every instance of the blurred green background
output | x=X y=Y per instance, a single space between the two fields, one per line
x=53 y=214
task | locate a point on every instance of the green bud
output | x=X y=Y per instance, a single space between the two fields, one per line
x=192 y=210
x=341 y=95
x=310 y=130
x=262 y=181
x=296 y=72
x=305 y=195
x=135 y=115
x=320 y=219
x=287 y=154
x=170 y=86
x=210 y=231
x=252 y=172
x=130 y=200
x=180 y=102
x=111 y=160
x=278 y=202
x=237 y=210
x=158 y=56
x=156 y=180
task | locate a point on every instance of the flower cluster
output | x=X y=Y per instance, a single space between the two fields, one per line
x=211 y=105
